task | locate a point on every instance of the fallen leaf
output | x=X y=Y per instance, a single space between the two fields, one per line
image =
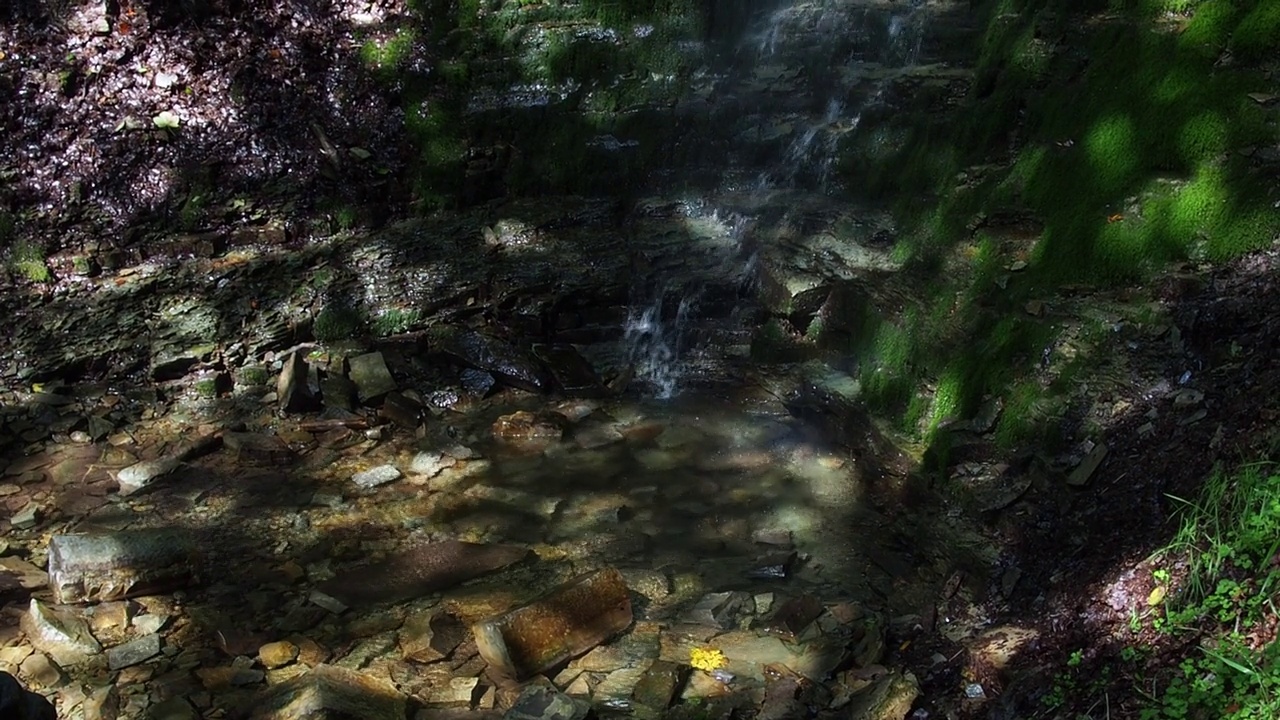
x=166 y=119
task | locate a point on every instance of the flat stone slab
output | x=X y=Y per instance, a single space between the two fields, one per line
x=329 y=692
x=421 y=570
x=564 y=623
x=114 y=566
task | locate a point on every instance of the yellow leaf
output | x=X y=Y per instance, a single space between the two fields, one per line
x=1157 y=596
x=706 y=659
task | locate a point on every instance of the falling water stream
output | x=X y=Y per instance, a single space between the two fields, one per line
x=825 y=48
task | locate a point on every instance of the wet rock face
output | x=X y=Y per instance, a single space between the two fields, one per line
x=509 y=364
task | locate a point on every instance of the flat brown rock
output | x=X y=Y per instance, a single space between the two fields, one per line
x=564 y=623
x=421 y=570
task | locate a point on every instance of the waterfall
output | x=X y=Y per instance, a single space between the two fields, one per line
x=803 y=74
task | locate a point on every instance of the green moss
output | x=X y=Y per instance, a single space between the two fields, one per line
x=394 y=321
x=28 y=260
x=207 y=388
x=1203 y=137
x=1257 y=37
x=1112 y=146
x=254 y=376
x=1210 y=27
x=337 y=322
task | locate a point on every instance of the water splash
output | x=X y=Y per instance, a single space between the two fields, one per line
x=654 y=344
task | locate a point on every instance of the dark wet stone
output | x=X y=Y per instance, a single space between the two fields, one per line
x=477 y=382
x=658 y=685
x=774 y=567
x=292 y=391
x=402 y=410
x=543 y=702
x=795 y=615
x=421 y=570
x=507 y=363
x=338 y=392
x=574 y=376
x=370 y=374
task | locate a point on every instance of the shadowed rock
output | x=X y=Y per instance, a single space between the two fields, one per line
x=573 y=374
x=508 y=363
x=421 y=570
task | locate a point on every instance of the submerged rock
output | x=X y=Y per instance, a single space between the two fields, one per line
x=421 y=570
x=566 y=622
x=526 y=428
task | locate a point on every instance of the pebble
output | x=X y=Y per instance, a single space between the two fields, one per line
x=373 y=477
x=133 y=652
x=277 y=654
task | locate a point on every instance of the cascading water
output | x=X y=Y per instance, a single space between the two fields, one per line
x=802 y=75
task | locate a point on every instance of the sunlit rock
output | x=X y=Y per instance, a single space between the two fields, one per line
x=331 y=693
x=566 y=622
x=95 y=568
x=62 y=634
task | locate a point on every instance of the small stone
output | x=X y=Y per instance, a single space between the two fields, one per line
x=1086 y=469
x=149 y=624
x=42 y=672
x=332 y=692
x=458 y=691
x=543 y=702
x=277 y=654
x=102 y=704
x=374 y=477
x=430 y=464
x=61 y=634
x=25 y=519
x=328 y=602
x=428 y=637
x=133 y=652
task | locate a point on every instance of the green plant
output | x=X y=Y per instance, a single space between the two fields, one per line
x=395 y=320
x=1228 y=539
x=28 y=260
x=337 y=322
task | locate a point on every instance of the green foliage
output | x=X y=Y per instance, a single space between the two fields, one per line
x=1257 y=37
x=27 y=259
x=337 y=322
x=394 y=321
x=386 y=55
x=1228 y=539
